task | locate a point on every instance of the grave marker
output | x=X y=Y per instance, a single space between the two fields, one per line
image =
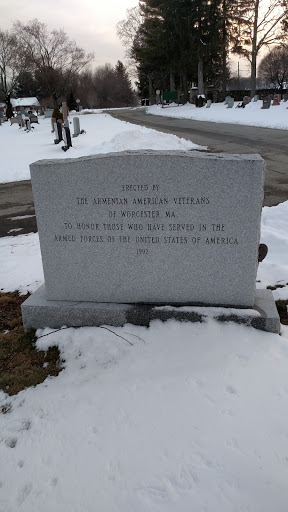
x=76 y=126
x=276 y=100
x=230 y=102
x=121 y=230
x=48 y=112
x=266 y=103
x=122 y=227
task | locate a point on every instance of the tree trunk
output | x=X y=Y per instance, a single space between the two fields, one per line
x=184 y=87
x=200 y=76
x=254 y=49
x=151 y=91
x=55 y=100
x=172 y=81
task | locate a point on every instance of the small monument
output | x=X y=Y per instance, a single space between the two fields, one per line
x=230 y=102
x=276 y=100
x=76 y=126
x=124 y=233
x=266 y=103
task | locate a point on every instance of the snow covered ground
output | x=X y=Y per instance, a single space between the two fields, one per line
x=191 y=417
x=251 y=115
x=103 y=135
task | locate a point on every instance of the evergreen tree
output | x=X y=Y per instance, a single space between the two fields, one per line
x=123 y=89
x=180 y=40
x=26 y=85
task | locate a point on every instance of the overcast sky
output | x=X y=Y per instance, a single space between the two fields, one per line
x=91 y=23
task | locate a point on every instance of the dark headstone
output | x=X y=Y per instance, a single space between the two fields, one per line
x=266 y=103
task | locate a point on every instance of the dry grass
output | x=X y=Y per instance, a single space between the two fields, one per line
x=21 y=365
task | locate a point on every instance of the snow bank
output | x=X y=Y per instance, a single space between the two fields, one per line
x=104 y=134
x=251 y=115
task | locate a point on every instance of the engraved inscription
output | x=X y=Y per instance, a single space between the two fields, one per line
x=145 y=221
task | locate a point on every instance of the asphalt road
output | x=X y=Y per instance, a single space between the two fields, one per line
x=271 y=144
x=16 y=199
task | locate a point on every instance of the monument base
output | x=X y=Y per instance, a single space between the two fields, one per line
x=38 y=312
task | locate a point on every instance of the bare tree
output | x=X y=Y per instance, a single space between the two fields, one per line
x=127 y=31
x=51 y=56
x=260 y=27
x=10 y=62
x=273 y=68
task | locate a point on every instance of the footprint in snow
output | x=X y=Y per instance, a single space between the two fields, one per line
x=11 y=442
x=230 y=389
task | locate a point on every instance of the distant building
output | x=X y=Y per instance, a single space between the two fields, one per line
x=27 y=103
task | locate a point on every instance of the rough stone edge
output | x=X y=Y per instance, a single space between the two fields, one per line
x=151 y=152
x=37 y=312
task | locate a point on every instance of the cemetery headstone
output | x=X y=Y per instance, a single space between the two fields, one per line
x=208 y=104
x=121 y=230
x=48 y=112
x=33 y=118
x=230 y=102
x=227 y=100
x=15 y=120
x=276 y=100
x=1 y=117
x=256 y=98
x=122 y=227
x=285 y=97
x=266 y=103
x=76 y=126
x=246 y=100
